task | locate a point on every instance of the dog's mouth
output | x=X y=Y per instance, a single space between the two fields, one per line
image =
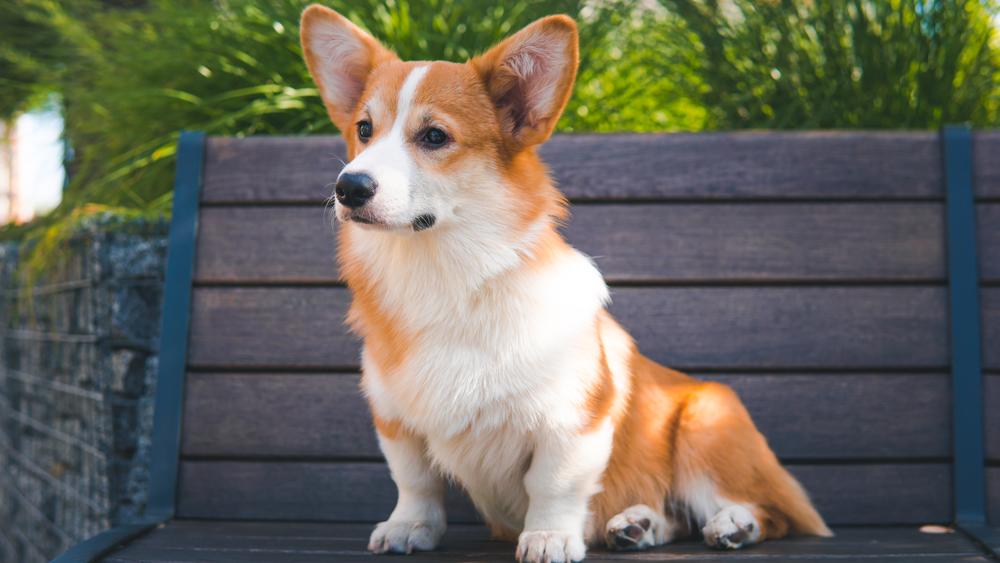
x=420 y=223
x=362 y=218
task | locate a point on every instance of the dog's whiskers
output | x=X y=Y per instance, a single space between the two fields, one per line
x=340 y=160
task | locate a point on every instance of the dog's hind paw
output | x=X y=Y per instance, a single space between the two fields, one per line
x=732 y=528
x=636 y=527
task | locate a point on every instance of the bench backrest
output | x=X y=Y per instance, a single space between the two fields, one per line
x=807 y=270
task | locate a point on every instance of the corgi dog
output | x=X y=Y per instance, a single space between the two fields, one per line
x=489 y=357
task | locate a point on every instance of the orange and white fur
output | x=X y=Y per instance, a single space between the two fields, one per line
x=489 y=357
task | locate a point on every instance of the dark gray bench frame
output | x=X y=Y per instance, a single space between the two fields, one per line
x=969 y=465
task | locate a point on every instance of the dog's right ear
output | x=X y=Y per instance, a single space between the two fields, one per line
x=340 y=57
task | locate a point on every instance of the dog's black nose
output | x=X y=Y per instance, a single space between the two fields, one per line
x=354 y=190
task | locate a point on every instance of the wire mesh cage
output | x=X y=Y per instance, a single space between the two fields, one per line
x=77 y=367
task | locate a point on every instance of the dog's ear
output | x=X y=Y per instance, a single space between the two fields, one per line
x=340 y=57
x=529 y=77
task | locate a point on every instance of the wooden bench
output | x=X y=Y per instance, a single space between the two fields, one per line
x=810 y=271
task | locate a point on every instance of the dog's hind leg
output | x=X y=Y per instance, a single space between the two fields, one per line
x=729 y=479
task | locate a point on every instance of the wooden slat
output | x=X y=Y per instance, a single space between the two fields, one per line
x=299 y=541
x=271 y=326
x=993 y=495
x=272 y=168
x=990 y=297
x=855 y=494
x=986 y=163
x=988 y=221
x=757 y=164
x=826 y=165
x=847 y=540
x=990 y=537
x=724 y=327
x=264 y=415
x=991 y=410
x=762 y=242
x=343 y=491
x=266 y=244
x=175 y=555
x=825 y=416
x=649 y=242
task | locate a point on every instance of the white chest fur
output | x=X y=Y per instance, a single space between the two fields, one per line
x=492 y=364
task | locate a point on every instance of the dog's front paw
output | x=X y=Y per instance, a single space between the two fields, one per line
x=404 y=537
x=550 y=547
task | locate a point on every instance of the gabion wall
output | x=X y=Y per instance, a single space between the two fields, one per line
x=77 y=376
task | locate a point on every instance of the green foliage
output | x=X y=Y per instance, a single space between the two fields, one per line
x=636 y=77
x=131 y=74
x=30 y=51
x=137 y=76
x=233 y=68
x=801 y=64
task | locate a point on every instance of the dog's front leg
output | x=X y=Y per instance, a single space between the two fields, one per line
x=565 y=472
x=418 y=521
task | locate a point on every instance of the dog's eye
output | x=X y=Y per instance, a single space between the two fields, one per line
x=434 y=138
x=364 y=130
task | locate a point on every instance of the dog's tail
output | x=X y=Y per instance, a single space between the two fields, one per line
x=792 y=501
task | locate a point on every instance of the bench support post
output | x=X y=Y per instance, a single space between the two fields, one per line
x=969 y=472
x=174 y=326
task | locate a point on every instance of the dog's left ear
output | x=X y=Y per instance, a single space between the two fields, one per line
x=529 y=77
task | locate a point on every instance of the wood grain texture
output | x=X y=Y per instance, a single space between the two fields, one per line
x=478 y=555
x=447 y=555
x=986 y=163
x=993 y=495
x=271 y=168
x=267 y=415
x=310 y=541
x=990 y=537
x=647 y=242
x=826 y=165
x=988 y=224
x=991 y=407
x=845 y=494
x=266 y=244
x=990 y=298
x=298 y=327
x=256 y=490
x=719 y=327
x=803 y=416
x=791 y=327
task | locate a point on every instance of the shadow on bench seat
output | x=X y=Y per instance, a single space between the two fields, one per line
x=823 y=276
x=287 y=542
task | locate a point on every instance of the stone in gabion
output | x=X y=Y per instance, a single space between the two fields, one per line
x=77 y=374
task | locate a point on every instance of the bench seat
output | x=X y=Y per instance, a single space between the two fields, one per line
x=281 y=542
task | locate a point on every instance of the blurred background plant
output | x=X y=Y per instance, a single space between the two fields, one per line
x=804 y=64
x=130 y=74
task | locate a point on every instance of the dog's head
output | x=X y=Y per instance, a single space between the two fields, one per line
x=437 y=144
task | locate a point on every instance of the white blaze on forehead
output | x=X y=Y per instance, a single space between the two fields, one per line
x=387 y=160
x=405 y=102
